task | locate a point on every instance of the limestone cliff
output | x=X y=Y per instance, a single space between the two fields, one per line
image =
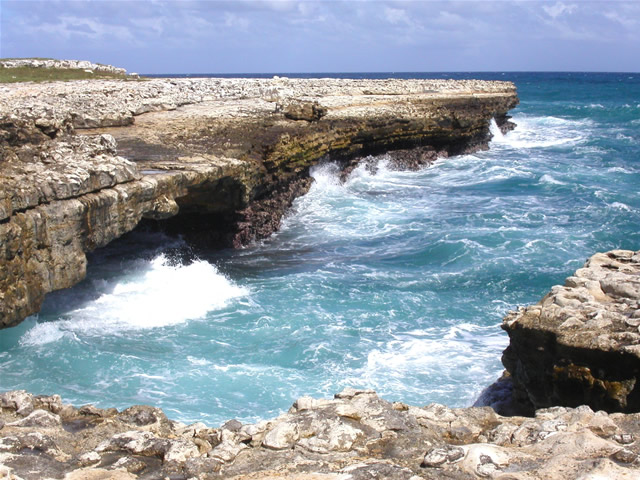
x=581 y=344
x=220 y=160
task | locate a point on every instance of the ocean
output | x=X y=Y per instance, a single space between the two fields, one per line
x=395 y=281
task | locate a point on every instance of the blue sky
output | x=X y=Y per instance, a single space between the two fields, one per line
x=184 y=36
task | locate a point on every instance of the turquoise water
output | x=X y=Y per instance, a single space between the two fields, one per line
x=395 y=281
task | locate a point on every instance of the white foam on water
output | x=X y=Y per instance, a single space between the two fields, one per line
x=619 y=170
x=155 y=294
x=543 y=132
x=43 y=333
x=620 y=206
x=460 y=357
x=548 y=179
x=626 y=138
x=498 y=136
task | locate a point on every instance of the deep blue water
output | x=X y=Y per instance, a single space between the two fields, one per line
x=396 y=281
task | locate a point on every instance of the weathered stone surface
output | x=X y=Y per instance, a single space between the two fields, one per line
x=355 y=435
x=217 y=160
x=580 y=344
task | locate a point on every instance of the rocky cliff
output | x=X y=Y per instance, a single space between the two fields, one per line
x=219 y=160
x=581 y=344
x=50 y=63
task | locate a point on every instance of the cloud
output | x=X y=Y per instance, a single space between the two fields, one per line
x=559 y=9
x=233 y=20
x=315 y=35
x=627 y=22
x=71 y=26
x=396 y=16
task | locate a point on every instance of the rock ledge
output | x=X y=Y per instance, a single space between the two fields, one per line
x=580 y=345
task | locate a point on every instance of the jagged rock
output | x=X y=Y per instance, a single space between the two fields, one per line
x=309 y=111
x=18 y=400
x=38 y=418
x=580 y=344
x=312 y=441
x=437 y=456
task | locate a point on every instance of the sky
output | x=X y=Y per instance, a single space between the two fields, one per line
x=271 y=36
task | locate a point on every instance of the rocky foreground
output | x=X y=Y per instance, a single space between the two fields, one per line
x=218 y=160
x=355 y=435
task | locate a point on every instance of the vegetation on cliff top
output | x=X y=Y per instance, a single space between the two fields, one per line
x=39 y=74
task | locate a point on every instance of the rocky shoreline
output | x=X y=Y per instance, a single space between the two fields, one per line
x=221 y=160
x=356 y=435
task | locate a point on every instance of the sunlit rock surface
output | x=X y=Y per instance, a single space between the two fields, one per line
x=580 y=345
x=355 y=435
x=219 y=160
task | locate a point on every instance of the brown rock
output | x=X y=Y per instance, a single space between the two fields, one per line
x=208 y=158
x=577 y=345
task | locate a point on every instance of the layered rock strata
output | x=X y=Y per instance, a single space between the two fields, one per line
x=354 y=436
x=230 y=155
x=581 y=344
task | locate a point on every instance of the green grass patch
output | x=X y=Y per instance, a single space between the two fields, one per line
x=34 y=74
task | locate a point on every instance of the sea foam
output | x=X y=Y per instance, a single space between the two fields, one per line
x=156 y=293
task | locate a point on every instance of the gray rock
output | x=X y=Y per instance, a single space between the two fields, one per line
x=38 y=418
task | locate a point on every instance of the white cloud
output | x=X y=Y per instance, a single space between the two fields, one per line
x=68 y=26
x=232 y=20
x=627 y=22
x=448 y=18
x=396 y=16
x=559 y=9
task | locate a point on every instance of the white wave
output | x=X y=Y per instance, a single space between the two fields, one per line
x=596 y=106
x=41 y=334
x=546 y=178
x=620 y=206
x=326 y=177
x=544 y=132
x=198 y=361
x=497 y=135
x=156 y=294
x=461 y=355
x=619 y=170
x=626 y=138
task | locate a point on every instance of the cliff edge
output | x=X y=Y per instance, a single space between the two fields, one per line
x=580 y=345
x=219 y=160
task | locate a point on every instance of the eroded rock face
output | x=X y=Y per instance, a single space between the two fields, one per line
x=216 y=160
x=355 y=435
x=581 y=343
